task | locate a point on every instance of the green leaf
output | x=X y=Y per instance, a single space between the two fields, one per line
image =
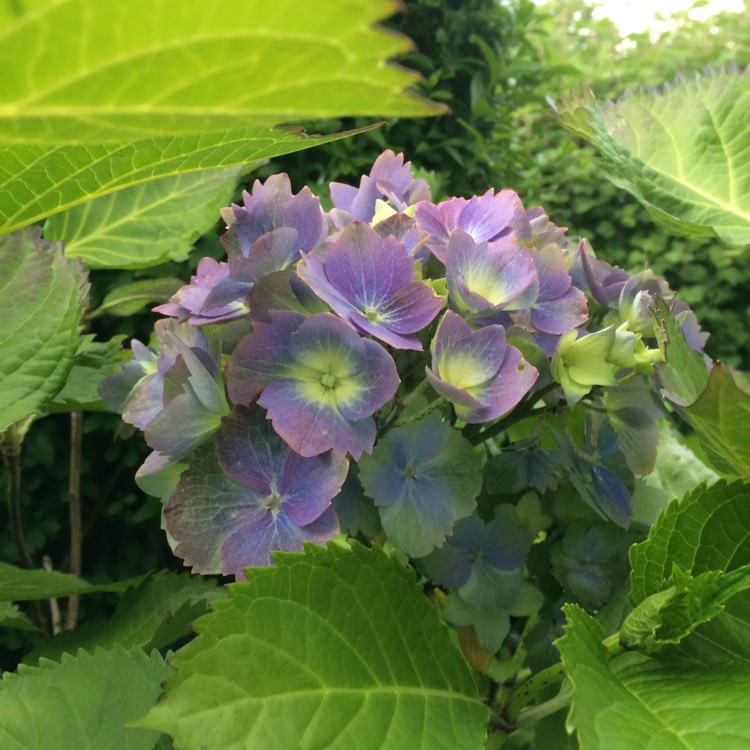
x=94 y=361
x=145 y=224
x=721 y=418
x=17 y=584
x=132 y=298
x=40 y=327
x=682 y=151
x=683 y=374
x=708 y=530
x=82 y=702
x=154 y=614
x=335 y=648
x=670 y=615
x=12 y=617
x=150 y=68
x=634 y=701
x=39 y=180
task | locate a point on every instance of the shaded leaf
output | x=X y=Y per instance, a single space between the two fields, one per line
x=336 y=648
x=17 y=584
x=634 y=701
x=94 y=361
x=40 y=325
x=131 y=298
x=82 y=702
x=12 y=617
x=154 y=614
x=721 y=418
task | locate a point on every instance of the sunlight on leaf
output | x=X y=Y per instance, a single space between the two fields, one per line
x=335 y=648
x=683 y=151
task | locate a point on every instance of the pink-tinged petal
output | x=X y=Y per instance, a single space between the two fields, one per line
x=404 y=228
x=343 y=195
x=396 y=340
x=312 y=270
x=272 y=206
x=554 y=279
x=411 y=309
x=261 y=356
x=439 y=221
x=311 y=428
x=503 y=274
x=556 y=316
x=464 y=357
x=366 y=269
x=487 y=217
x=512 y=382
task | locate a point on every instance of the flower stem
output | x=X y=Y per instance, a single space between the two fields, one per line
x=531 y=688
x=438 y=402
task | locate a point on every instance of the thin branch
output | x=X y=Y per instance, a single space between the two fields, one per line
x=74 y=509
x=54 y=608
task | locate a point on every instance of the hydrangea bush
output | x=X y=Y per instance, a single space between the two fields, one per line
x=453 y=380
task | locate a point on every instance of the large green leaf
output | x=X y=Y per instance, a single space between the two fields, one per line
x=333 y=649
x=684 y=151
x=82 y=702
x=88 y=71
x=43 y=296
x=634 y=701
x=17 y=584
x=37 y=180
x=145 y=224
x=721 y=418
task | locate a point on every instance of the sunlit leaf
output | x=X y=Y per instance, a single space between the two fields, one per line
x=145 y=224
x=149 y=68
x=332 y=649
x=683 y=151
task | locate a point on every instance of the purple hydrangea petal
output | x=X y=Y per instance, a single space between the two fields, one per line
x=248 y=451
x=439 y=221
x=499 y=395
x=558 y=315
x=262 y=356
x=487 y=217
x=308 y=484
x=554 y=279
x=464 y=357
x=458 y=396
x=311 y=427
x=273 y=251
x=390 y=179
x=272 y=206
x=499 y=273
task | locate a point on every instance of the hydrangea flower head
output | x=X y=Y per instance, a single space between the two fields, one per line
x=369 y=281
x=478 y=371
